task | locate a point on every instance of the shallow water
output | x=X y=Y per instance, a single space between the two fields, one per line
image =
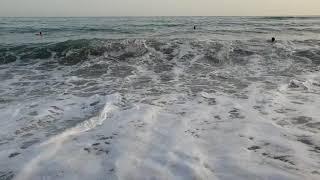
x=151 y=98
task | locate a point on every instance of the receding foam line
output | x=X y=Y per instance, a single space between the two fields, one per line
x=53 y=145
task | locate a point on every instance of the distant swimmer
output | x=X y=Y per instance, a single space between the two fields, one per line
x=39 y=34
x=273 y=39
x=194 y=27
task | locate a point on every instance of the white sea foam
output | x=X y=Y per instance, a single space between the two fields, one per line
x=161 y=108
x=54 y=144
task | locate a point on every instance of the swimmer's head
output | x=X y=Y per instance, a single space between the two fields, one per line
x=273 y=39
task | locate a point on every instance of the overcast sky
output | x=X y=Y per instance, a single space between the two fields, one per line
x=158 y=7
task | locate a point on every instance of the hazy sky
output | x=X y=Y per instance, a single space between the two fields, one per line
x=158 y=7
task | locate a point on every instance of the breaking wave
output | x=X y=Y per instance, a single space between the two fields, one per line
x=74 y=52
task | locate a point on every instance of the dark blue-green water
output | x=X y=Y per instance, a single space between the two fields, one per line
x=23 y=30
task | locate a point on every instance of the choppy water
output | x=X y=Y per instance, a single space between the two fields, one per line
x=151 y=98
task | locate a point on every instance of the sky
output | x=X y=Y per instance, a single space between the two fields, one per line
x=54 y=8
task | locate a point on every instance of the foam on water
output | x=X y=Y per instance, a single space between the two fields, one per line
x=166 y=106
x=54 y=144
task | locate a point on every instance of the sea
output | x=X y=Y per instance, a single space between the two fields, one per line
x=160 y=98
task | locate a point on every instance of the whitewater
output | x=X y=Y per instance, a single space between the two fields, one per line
x=133 y=98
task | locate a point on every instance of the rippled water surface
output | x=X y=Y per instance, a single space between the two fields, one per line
x=152 y=98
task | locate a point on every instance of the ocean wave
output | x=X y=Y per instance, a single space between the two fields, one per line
x=125 y=106
x=125 y=29
x=310 y=54
x=67 y=29
x=286 y=17
x=72 y=52
x=313 y=30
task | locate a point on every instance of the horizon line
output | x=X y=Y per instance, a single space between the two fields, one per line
x=162 y=16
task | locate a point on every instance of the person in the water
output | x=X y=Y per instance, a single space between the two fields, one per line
x=273 y=39
x=39 y=34
x=194 y=27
